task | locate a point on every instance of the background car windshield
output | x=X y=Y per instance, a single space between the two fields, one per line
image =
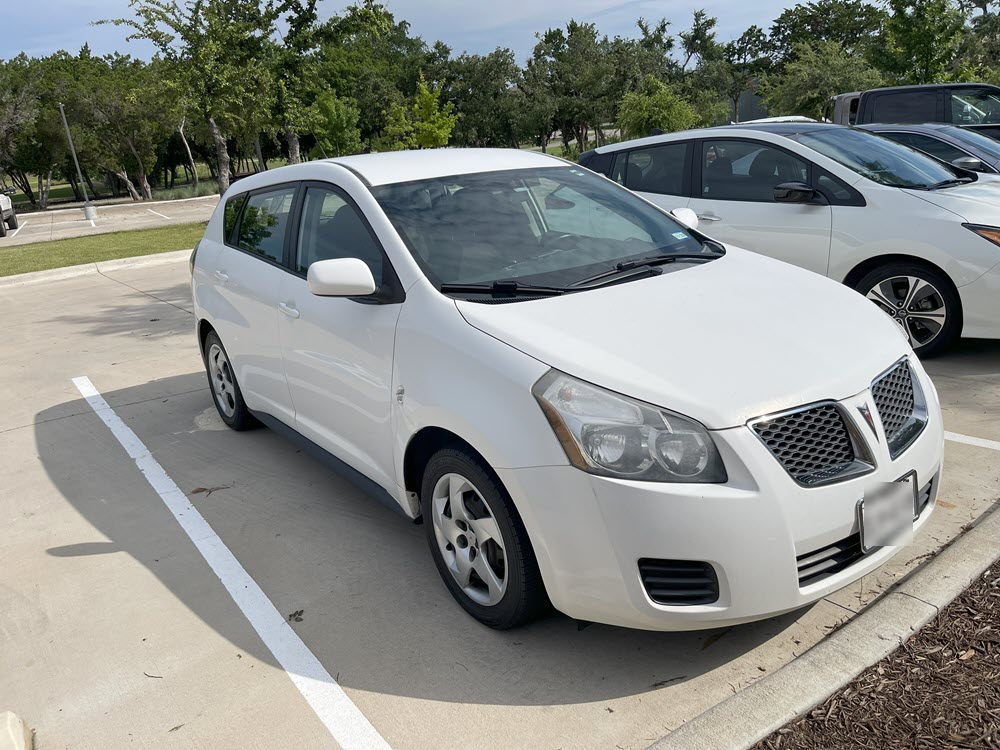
x=878 y=158
x=552 y=226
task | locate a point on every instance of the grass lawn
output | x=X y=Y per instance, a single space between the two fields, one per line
x=39 y=256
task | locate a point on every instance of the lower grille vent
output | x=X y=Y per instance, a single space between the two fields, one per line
x=679 y=582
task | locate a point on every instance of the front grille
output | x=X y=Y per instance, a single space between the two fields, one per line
x=813 y=444
x=822 y=563
x=679 y=582
x=900 y=406
x=893 y=394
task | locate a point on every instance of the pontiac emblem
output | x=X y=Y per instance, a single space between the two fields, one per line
x=867 y=414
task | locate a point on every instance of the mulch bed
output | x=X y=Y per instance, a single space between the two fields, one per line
x=939 y=690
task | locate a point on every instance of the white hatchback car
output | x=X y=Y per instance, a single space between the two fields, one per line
x=8 y=216
x=918 y=237
x=586 y=401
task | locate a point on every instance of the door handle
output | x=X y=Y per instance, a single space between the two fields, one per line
x=291 y=312
x=708 y=217
x=222 y=277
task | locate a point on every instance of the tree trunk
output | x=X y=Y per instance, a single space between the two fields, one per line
x=20 y=179
x=122 y=175
x=75 y=186
x=294 y=150
x=187 y=150
x=43 y=190
x=141 y=176
x=260 y=154
x=93 y=190
x=221 y=154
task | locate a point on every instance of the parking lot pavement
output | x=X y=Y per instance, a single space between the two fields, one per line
x=64 y=223
x=116 y=630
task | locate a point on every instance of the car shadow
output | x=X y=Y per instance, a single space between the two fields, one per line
x=373 y=608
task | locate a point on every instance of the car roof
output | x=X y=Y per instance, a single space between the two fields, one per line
x=405 y=166
x=917 y=127
x=719 y=131
x=919 y=86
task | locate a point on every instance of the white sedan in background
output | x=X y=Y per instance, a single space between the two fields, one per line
x=919 y=238
x=585 y=401
x=8 y=216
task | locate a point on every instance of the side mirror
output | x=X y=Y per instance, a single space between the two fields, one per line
x=794 y=192
x=686 y=216
x=970 y=163
x=340 y=277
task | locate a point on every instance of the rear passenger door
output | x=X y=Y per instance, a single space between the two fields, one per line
x=734 y=183
x=247 y=275
x=338 y=350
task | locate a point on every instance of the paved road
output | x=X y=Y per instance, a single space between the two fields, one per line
x=65 y=223
x=116 y=632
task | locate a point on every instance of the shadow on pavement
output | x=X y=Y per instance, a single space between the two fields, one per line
x=374 y=610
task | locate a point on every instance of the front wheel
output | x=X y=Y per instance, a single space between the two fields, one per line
x=922 y=301
x=478 y=541
x=12 y=221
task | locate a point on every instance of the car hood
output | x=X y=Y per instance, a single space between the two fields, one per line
x=977 y=203
x=722 y=342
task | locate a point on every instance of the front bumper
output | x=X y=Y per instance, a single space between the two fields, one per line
x=589 y=532
x=981 y=306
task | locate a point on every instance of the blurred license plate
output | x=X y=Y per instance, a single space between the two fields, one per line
x=885 y=514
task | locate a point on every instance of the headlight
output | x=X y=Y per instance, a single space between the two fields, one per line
x=991 y=234
x=616 y=436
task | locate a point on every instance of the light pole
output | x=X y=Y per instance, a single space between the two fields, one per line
x=89 y=211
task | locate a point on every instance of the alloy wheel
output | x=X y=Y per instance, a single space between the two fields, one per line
x=914 y=304
x=469 y=539
x=223 y=385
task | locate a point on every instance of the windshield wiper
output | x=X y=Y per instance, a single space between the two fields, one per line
x=946 y=183
x=507 y=286
x=645 y=266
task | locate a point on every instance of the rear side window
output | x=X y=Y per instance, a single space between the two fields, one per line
x=265 y=222
x=908 y=106
x=657 y=170
x=230 y=216
x=975 y=106
x=331 y=228
x=746 y=170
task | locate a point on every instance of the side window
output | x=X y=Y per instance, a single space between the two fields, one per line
x=746 y=170
x=832 y=186
x=618 y=168
x=230 y=216
x=265 y=222
x=934 y=147
x=908 y=106
x=659 y=169
x=331 y=228
x=852 y=113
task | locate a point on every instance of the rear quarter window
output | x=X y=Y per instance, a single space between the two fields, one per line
x=231 y=214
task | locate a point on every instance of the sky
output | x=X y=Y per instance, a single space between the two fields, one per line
x=39 y=27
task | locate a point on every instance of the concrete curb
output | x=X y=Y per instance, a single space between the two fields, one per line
x=105 y=266
x=768 y=704
x=14 y=733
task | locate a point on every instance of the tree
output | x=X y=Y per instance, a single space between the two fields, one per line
x=334 y=122
x=482 y=89
x=922 y=40
x=816 y=72
x=856 y=25
x=654 y=106
x=432 y=123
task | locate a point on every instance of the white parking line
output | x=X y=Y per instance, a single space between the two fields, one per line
x=20 y=226
x=957 y=437
x=158 y=214
x=341 y=717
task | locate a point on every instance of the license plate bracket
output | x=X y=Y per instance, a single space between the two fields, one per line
x=886 y=512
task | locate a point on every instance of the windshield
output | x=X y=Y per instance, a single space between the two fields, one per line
x=978 y=141
x=975 y=106
x=877 y=158
x=552 y=226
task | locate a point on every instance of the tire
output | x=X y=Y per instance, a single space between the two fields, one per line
x=12 y=221
x=518 y=594
x=931 y=318
x=226 y=394
x=3 y=227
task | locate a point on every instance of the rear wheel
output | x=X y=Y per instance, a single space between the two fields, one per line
x=478 y=542
x=225 y=390
x=3 y=227
x=921 y=301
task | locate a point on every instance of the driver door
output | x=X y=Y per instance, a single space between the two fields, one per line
x=734 y=182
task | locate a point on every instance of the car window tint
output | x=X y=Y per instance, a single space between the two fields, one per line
x=230 y=215
x=265 y=221
x=907 y=106
x=657 y=170
x=834 y=187
x=618 y=168
x=934 y=147
x=746 y=171
x=330 y=227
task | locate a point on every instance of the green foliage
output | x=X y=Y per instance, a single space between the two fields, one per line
x=922 y=39
x=432 y=123
x=334 y=123
x=654 y=106
x=816 y=72
x=856 y=25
